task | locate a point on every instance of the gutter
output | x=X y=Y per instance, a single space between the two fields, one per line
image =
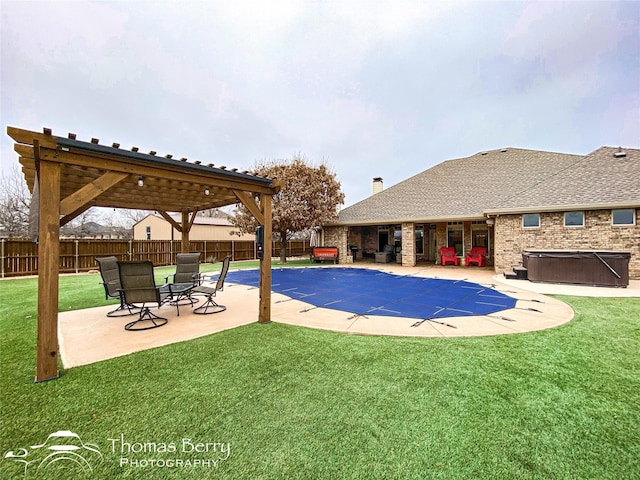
x=560 y=208
x=453 y=218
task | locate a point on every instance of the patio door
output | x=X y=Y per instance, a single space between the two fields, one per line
x=383 y=238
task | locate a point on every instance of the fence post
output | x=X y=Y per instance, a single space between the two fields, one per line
x=130 y=249
x=77 y=257
x=233 y=250
x=2 y=255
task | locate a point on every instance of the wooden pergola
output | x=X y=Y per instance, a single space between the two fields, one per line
x=67 y=177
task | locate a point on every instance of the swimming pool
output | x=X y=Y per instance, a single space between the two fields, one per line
x=362 y=291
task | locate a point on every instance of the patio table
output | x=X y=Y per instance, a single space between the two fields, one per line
x=181 y=292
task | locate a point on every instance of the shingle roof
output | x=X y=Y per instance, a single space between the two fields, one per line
x=604 y=178
x=460 y=189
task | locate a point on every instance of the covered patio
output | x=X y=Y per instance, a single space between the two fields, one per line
x=67 y=176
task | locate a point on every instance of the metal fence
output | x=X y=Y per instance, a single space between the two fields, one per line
x=20 y=257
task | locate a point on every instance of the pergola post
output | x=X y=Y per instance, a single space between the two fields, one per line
x=186 y=227
x=264 y=314
x=48 y=270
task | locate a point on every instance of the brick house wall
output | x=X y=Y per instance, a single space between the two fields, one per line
x=598 y=233
x=365 y=237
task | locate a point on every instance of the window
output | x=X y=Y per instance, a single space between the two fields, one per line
x=454 y=237
x=574 y=219
x=531 y=220
x=148 y=233
x=623 y=217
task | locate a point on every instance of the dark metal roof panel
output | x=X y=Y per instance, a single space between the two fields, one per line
x=155 y=160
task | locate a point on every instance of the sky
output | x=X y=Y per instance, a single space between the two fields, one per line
x=371 y=88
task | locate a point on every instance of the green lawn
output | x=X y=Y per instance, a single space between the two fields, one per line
x=307 y=404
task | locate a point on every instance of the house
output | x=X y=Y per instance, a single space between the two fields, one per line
x=217 y=227
x=506 y=200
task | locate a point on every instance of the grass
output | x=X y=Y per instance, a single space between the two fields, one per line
x=307 y=404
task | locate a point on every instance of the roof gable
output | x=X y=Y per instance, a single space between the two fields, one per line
x=460 y=188
x=607 y=177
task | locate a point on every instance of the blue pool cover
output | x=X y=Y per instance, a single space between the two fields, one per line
x=363 y=291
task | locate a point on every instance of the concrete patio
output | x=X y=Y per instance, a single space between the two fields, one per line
x=88 y=336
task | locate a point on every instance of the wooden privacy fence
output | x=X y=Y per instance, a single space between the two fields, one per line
x=20 y=257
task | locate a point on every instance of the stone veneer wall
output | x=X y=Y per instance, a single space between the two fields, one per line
x=408 y=245
x=598 y=233
x=337 y=237
x=441 y=239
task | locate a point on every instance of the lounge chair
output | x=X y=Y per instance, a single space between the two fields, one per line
x=210 y=306
x=448 y=256
x=477 y=256
x=111 y=283
x=138 y=286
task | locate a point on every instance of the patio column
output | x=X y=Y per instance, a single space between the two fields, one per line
x=48 y=269
x=408 y=245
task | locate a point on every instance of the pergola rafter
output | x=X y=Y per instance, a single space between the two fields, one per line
x=71 y=176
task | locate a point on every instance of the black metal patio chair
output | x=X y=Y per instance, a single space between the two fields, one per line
x=138 y=287
x=210 y=305
x=112 y=288
x=186 y=277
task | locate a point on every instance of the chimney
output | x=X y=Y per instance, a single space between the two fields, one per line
x=377 y=185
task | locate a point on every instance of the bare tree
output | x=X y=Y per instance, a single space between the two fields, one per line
x=14 y=205
x=131 y=217
x=309 y=196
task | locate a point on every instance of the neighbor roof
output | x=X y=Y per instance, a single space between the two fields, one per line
x=459 y=189
x=219 y=221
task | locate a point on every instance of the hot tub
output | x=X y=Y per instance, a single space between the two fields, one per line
x=583 y=267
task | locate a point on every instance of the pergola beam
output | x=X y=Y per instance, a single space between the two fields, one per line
x=251 y=205
x=170 y=219
x=90 y=191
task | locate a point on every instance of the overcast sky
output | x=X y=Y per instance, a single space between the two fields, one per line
x=373 y=88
